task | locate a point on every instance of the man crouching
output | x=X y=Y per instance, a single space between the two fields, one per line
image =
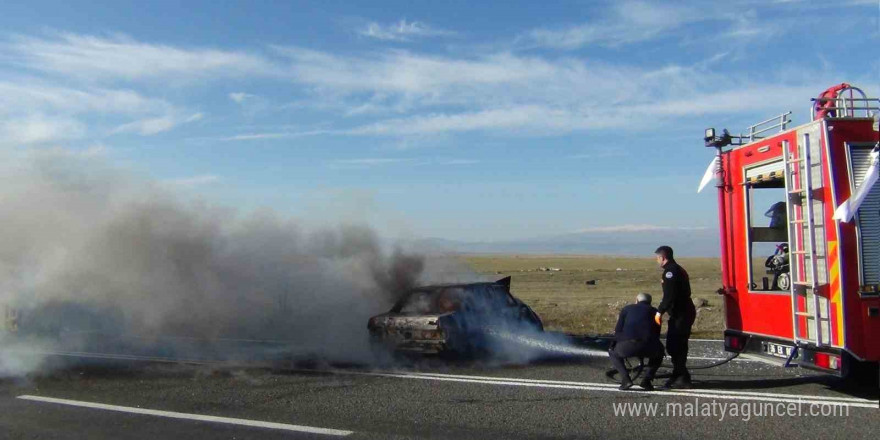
x=637 y=334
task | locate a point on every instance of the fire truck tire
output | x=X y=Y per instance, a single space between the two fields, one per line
x=864 y=374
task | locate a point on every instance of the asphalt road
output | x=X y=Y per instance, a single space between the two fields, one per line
x=430 y=398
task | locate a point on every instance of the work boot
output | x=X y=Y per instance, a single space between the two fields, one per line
x=684 y=382
x=680 y=382
x=646 y=385
x=625 y=382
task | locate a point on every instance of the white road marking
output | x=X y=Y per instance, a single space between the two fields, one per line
x=588 y=386
x=609 y=385
x=185 y=416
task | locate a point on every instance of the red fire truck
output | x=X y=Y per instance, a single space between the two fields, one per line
x=800 y=235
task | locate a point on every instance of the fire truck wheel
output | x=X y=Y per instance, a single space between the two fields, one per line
x=864 y=374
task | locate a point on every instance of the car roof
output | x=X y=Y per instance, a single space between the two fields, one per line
x=504 y=282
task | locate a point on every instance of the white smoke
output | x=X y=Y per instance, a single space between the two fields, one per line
x=95 y=260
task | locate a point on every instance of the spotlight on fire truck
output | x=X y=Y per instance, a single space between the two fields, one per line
x=717 y=141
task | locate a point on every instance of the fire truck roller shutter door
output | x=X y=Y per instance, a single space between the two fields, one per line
x=868 y=218
x=766 y=172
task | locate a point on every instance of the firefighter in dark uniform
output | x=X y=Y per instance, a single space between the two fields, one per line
x=637 y=335
x=678 y=304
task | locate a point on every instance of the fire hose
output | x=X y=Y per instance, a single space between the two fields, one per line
x=635 y=371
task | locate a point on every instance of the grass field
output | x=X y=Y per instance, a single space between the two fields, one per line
x=567 y=303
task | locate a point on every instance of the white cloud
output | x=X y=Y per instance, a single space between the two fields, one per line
x=39 y=95
x=402 y=72
x=369 y=162
x=192 y=181
x=507 y=92
x=255 y=136
x=748 y=26
x=120 y=57
x=38 y=129
x=436 y=94
x=565 y=116
x=276 y=135
x=635 y=21
x=514 y=118
x=151 y=126
x=42 y=112
x=424 y=94
x=628 y=22
x=457 y=162
x=393 y=93
x=148 y=126
x=240 y=97
x=600 y=154
x=195 y=117
x=811 y=5
x=97 y=150
x=401 y=31
x=372 y=162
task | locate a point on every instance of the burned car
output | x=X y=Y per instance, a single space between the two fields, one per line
x=458 y=319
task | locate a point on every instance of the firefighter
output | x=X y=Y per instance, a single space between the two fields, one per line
x=678 y=304
x=637 y=335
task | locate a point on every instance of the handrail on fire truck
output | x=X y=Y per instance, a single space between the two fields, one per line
x=755 y=132
x=781 y=122
x=850 y=102
x=847 y=106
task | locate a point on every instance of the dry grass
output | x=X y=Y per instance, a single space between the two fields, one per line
x=566 y=303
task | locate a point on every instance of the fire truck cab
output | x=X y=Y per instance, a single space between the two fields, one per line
x=800 y=235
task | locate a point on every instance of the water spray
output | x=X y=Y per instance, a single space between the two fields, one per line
x=543 y=345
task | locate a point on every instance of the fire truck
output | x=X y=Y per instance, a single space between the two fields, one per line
x=799 y=218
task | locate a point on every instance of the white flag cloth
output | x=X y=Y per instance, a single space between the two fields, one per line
x=710 y=173
x=849 y=207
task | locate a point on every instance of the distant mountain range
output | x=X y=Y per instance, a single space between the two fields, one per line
x=623 y=241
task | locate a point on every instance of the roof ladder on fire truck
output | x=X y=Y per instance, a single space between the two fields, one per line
x=802 y=242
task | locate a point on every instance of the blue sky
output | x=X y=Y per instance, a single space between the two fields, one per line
x=457 y=120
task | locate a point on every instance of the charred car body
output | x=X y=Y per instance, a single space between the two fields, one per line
x=457 y=319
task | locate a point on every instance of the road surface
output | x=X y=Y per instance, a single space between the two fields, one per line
x=430 y=399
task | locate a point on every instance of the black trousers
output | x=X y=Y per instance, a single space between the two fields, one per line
x=653 y=350
x=677 y=336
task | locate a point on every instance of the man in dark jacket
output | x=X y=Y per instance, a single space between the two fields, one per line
x=678 y=304
x=637 y=335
